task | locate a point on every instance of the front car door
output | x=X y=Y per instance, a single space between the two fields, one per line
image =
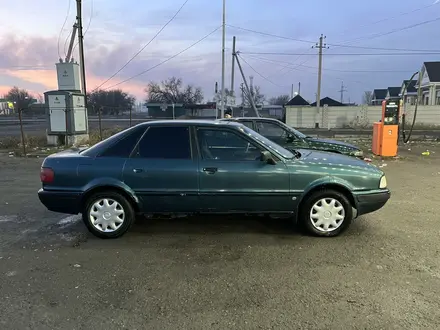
x=162 y=170
x=279 y=134
x=232 y=178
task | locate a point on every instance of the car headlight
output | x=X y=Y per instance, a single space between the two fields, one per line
x=383 y=182
x=358 y=153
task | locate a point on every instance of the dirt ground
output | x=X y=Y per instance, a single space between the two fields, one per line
x=224 y=272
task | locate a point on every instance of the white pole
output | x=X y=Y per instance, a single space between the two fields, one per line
x=223 y=60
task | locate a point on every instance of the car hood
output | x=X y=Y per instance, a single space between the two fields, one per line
x=328 y=141
x=335 y=160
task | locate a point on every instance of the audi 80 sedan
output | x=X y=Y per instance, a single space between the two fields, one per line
x=289 y=138
x=195 y=166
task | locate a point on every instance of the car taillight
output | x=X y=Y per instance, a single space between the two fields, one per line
x=46 y=175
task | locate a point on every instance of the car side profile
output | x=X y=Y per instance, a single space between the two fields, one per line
x=192 y=166
x=288 y=137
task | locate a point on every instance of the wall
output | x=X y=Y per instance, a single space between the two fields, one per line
x=355 y=117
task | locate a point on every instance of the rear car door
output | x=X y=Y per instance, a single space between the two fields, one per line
x=162 y=170
x=233 y=178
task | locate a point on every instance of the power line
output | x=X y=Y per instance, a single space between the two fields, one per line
x=265 y=78
x=345 y=54
x=164 y=61
x=389 y=18
x=350 y=46
x=152 y=39
x=62 y=28
x=335 y=70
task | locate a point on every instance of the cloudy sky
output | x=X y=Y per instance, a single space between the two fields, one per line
x=31 y=43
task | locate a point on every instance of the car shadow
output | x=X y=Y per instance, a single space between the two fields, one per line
x=215 y=224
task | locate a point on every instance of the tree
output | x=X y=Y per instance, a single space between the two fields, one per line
x=171 y=91
x=258 y=97
x=367 y=97
x=111 y=102
x=21 y=97
x=279 y=100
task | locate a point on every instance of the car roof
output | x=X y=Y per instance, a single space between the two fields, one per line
x=248 y=118
x=204 y=122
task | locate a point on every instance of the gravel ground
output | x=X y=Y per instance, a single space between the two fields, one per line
x=223 y=272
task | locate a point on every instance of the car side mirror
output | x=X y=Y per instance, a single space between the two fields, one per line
x=267 y=157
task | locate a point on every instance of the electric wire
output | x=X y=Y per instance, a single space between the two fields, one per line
x=164 y=61
x=152 y=39
x=344 y=54
x=258 y=73
x=62 y=27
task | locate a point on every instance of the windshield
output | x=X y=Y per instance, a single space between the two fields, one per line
x=294 y=131
x=271 y=145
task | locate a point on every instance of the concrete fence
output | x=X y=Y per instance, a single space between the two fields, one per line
x=354 y=117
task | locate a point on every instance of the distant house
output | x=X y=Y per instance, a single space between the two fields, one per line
x=393 y=93
x=410 y=94
x=430 y=85
x=378 y=96
x=297 y=101
x=329 y=102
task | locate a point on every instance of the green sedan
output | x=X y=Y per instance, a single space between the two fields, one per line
x=210 y=167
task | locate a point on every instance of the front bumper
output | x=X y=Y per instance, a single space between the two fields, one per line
x=60 y=201
x=371 y=202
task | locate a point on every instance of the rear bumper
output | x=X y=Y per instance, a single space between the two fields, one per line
x=367 y=203
x=60 y=201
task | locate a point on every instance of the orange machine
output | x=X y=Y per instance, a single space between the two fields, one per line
x=386 y=132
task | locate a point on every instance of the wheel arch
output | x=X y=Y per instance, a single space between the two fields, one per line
x=131 y=198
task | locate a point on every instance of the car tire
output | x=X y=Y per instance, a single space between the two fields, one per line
x=326 y=208
x=110 y=209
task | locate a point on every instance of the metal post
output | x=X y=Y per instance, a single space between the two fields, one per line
x=318 y=94
x=130 y=115
x=81 y=50
x=251 y=99
x=99 y=122
x=223 y=60
x=174 y=114
x=23 y=142
x=233 y=67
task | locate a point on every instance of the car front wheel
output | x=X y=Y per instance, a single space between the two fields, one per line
x=108 y=214
x=326 y=213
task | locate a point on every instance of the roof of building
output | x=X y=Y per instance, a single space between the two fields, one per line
x=298 y=100
x=379 y=94
x=330 y=102
x=394 y=91
x=433 y=70
x=411 y=86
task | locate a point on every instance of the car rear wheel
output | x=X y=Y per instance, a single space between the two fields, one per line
x=326 y=213
x=108 y=214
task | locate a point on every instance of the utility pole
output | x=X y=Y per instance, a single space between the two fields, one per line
x=81 y=49
x=223 y=60
x=291 y=93
x=342 y=92
x=233 y=67
x=320 y=45
x=299 y=88
x=248 y=91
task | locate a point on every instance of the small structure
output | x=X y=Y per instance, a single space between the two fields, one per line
x=393 y=93
x=329 y=102
x=430 y=85
x=408 y=92
x=378 y=96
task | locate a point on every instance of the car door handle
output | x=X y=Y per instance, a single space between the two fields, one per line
x=210 y=170
x=137 y=170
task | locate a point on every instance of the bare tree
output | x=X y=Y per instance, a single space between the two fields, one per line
x=279 y=100
x=367 y=97
x=256 y=94
x=172 y=90
x=21 y=97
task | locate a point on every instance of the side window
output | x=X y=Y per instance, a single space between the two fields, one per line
x=271 y=130
x=226 y=145
x=247 y=124
x=169 y=142
x=124 y=146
